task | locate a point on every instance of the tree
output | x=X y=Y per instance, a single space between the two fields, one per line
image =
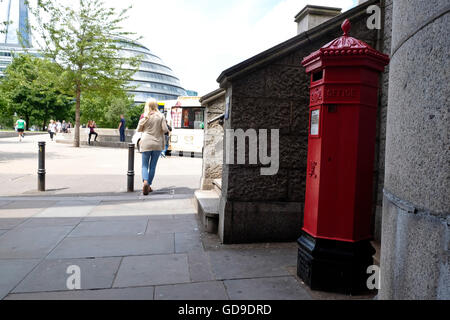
x=105 y=110
x=31 y=89
x=134 y=115
x=85 y=42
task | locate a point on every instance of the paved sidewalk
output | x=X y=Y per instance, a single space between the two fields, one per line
x=149 y=249
x=126 y=246
x=134 y=249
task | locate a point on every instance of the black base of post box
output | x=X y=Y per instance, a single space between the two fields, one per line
x=334 y=266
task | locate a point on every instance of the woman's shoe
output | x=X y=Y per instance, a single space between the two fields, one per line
x=146 y=189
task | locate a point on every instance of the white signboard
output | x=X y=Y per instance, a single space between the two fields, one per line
x=315 y=121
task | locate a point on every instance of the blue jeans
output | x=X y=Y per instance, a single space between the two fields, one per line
x=149 y=162
x=122 y=135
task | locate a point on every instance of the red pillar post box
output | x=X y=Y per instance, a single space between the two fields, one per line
x=335 y=249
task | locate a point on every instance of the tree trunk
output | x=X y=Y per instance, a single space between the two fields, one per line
x=27 y=120
x=76 y=139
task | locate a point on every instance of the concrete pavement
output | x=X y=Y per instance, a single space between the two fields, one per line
x=126 y=246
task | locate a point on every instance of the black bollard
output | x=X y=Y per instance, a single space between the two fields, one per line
x=131 y=167
x=41 y=170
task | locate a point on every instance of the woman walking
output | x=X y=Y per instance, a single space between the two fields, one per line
x=92 y=126
x=52 y=129
x=153 y=127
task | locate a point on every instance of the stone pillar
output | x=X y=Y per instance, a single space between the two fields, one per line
x=415 y=233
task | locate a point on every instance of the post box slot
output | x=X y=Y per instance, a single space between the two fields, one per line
x=317 y=76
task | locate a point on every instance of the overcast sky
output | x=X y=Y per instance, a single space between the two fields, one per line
x=199 y=39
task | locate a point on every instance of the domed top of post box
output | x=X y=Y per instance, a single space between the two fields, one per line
x=346 y=51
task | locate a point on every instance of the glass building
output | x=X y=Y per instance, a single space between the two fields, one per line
x=16 y=12
x=154 y=79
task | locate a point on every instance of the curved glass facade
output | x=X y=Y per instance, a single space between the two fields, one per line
x=154 y=79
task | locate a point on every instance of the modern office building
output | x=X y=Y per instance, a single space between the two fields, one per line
x=154 y=79
x=16 y=12
x=16 y=35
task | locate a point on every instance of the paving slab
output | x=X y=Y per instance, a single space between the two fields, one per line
x=2 y=232
x=24 y=209
x=68 y=209
x=50 y=222
x=187 y=242
x=208 y=291
x=252 y=263
x=172 y=206
x=117 y=246
x=274 y=288
x=110 y=228
x=149 y=207
x=51 y=275
x=4 y=203
x=172 y=226
x=9 y=223
x=12 y=272
x=200 y=266
x=31 y=243
x=117 y=216
x=144 y=293
x=153 y=270
x=186 y=216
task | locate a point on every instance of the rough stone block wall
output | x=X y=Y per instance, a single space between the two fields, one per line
x=213 y=148
x=257 y=208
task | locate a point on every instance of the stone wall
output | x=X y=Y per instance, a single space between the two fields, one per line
x=415 y=257
x=213 y=148
x=257 y=208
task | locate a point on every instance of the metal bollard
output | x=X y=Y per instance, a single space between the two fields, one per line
x=41 y=170
x=131 y=167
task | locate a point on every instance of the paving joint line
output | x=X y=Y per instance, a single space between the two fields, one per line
x=45 y=257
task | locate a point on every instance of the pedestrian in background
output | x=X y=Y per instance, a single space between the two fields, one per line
x=52 y=129
x=21 y=125
x=153 y=127
x=91 y=127
x=122 y=128
x=167 y=138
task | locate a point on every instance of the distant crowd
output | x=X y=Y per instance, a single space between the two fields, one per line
x=55 y=127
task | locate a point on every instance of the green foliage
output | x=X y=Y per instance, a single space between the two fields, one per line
x=105 y=110
x=134 y=115
x=85 y=43
x=31 y=90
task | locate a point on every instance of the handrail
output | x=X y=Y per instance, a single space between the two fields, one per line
x=221 y=117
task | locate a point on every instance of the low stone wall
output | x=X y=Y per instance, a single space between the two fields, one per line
x=12 y=134
x=106 y=137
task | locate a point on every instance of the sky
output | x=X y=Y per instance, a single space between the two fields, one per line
x=198 y=39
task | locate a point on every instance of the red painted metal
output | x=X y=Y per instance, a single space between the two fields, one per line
x=341 y=150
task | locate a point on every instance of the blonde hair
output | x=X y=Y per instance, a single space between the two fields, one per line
x=150 y=106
